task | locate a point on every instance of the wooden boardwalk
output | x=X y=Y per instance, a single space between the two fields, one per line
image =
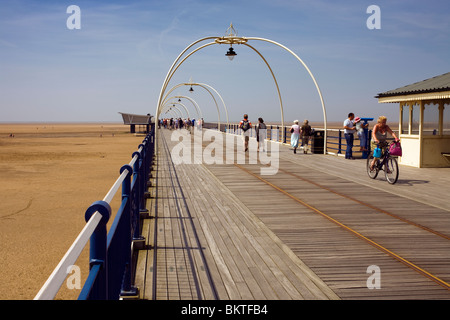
x=311 y=231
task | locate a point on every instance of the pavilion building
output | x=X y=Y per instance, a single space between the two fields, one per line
x=424 y=122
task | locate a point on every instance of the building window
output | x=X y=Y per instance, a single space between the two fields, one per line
x=431 y=119
x=405 y=119
x=446 y=122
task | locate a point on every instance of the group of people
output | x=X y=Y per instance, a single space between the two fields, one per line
x=352 y=125
x=171 y=123
x=379 y=134
x=245 y=125
x=304 y=133
x=298 y=133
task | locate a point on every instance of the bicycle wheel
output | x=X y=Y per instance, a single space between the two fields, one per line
x=391 y=170
x=374 y=172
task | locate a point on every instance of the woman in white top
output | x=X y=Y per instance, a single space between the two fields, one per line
x=295 y=135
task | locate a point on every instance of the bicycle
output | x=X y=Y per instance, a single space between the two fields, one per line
x=387 y=161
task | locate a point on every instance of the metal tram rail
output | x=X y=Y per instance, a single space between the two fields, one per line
x=375 y=244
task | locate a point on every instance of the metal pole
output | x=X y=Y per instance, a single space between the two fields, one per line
x=312 y=76
x=98 y=250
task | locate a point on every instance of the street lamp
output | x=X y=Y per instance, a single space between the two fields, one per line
x=231 y=54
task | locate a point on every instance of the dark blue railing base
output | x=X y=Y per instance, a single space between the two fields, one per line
x=111 y=255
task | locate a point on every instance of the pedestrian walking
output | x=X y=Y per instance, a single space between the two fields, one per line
x=261 y=129
x=305 y=133
x=295 y=135
x=245 y=125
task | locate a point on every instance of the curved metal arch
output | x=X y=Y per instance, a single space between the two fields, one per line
x=239 y=40
x=183 y=84
x=194 y=103
x=312 y=77
x=197 y=107
x=245 y=43
x=180 y=114
x=270 y=69
x=172 y=104
x=167 y=101
x=278 y=89
x=204 y=86
x=172 y=70
x=171 y=114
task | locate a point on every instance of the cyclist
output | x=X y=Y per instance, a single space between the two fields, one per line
x=379 y=136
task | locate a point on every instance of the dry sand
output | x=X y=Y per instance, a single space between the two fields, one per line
x=50 y=174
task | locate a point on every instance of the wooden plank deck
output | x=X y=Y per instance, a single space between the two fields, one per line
x=225 y=232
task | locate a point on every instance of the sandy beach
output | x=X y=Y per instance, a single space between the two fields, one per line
x=51 y=173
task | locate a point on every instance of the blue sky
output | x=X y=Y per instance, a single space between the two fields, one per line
x=119 y=58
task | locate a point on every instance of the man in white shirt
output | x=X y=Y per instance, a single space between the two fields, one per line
x=349 y=130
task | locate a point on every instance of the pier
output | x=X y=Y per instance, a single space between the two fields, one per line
x=317 y=229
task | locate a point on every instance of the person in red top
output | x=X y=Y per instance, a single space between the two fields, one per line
x=245 y=125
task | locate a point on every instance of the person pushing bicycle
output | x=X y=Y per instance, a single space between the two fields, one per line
x=379 y=137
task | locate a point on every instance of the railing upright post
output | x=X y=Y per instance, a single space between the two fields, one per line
x=127 y=289
x=98 y=250
x=138 y=175
x=340 y=142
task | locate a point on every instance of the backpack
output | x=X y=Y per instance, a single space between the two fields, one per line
x=245 y=125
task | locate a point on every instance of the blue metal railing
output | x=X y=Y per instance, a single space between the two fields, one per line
x=110 y=258
x=114 y=275
x=336 y=143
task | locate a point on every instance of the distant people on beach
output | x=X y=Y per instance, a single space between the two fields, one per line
x=349 y=130
x=295 y=135
x=305 y=133
x=245 y=125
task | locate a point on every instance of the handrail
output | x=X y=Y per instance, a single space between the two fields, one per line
x=275 y=133
x=95 y=219
x=112 y=192
x=56 y=279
